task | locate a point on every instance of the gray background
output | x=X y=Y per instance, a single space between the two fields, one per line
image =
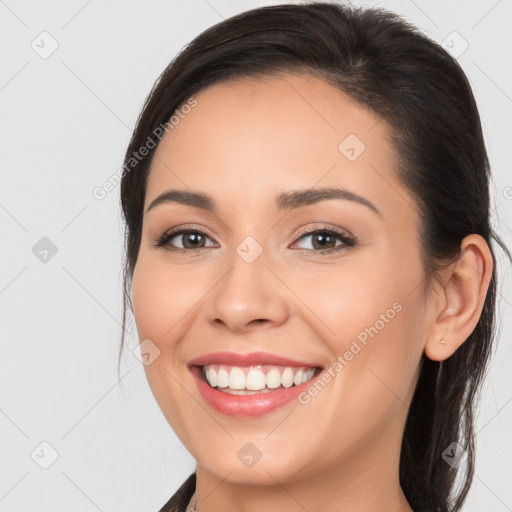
x=66 y=121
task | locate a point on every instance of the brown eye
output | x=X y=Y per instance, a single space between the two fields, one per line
x=190 y=240
x=326 y=240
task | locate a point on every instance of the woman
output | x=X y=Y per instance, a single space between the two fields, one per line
x=309 y=262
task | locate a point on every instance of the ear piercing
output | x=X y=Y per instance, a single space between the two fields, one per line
x=443 y=342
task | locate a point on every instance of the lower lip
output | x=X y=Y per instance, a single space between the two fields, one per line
x=247 y=405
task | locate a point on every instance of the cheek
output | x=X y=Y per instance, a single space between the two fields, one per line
x=161 y=301
x=164 y=298
x=371 y=321
x=347 y=300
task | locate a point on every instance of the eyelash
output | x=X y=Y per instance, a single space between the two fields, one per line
x=348 y=241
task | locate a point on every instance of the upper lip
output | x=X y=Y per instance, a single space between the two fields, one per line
x=247 y=359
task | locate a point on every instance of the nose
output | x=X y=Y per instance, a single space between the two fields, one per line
x=248 y=296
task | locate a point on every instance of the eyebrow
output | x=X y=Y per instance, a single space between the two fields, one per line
x=286 y=201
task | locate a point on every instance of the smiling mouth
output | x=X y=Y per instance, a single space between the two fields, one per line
x=255 y=379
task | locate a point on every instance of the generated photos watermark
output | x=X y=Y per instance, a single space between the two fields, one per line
x=101 y=191
x=342 y=360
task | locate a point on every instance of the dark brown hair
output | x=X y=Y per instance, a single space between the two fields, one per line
x=388 y=66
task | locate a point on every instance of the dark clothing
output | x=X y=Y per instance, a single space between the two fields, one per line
x=179 y=500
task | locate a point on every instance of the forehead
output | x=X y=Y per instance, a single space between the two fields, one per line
x=247 y=140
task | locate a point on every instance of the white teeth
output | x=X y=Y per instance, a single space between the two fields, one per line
x=222 y=378
x=273 y=378
x=236 y=378
x=252 y=379
x=211 y=376
x=287 y=378
x=255 y=380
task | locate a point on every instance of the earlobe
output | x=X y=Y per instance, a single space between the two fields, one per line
x=439 y=350
x=462 y=299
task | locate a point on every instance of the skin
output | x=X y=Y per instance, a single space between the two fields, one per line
x=244 y=143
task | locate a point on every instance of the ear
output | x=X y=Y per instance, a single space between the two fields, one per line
x=461 y=298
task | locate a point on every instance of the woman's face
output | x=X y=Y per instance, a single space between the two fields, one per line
x=351 y=302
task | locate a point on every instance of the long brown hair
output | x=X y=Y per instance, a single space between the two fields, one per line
x=387 y=65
